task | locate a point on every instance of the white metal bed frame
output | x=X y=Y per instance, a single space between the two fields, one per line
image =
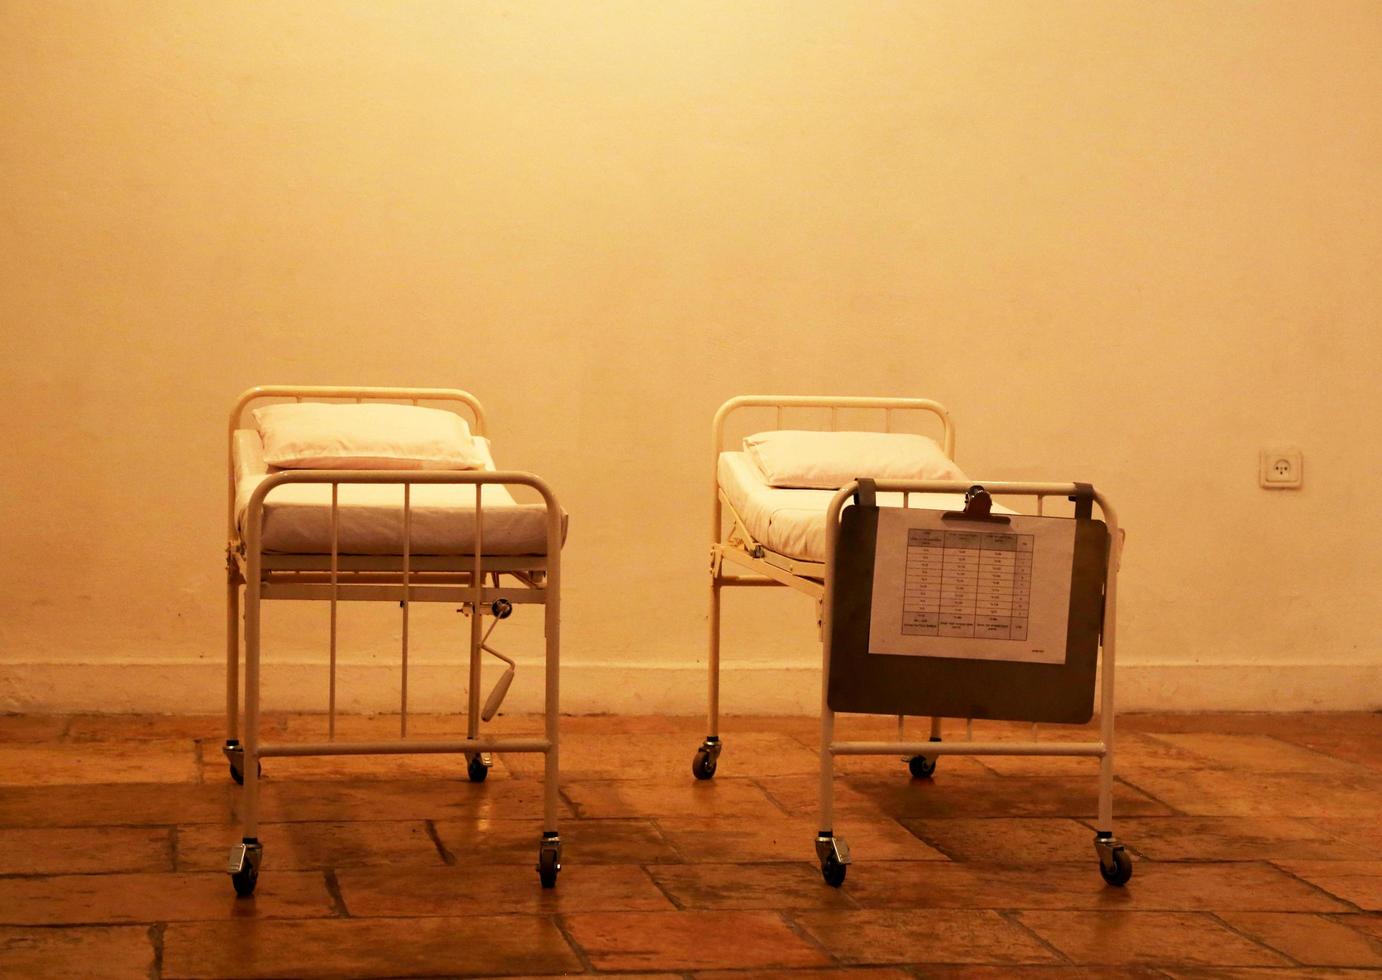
x=403 y=578
x=737 y=546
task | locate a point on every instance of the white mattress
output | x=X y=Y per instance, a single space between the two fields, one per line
x=297 y=517
x=792 y=522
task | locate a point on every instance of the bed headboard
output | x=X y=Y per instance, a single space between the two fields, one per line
x=463 y=403
x=836 y=402
x=334 y=393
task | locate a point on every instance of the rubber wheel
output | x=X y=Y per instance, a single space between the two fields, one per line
x=921 y=767
x=239 y=776
x=547 y=868
x=833 y=872
x=476 y=770
x=703 y=766
x=244 y=882
x=1121 y=870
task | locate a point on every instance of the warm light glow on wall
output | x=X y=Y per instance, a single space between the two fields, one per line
x=1128 y=243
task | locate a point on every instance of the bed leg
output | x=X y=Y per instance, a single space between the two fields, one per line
x=703 y=765
x=232 y=659
x=245 y=857
x=549 y=849
x=478 y=764
x=232 y=749
x=832 y=852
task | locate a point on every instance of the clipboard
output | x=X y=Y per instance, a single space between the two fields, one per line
x=928 y=681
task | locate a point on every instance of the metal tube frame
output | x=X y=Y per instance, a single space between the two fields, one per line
x=738 y=547
x=538 y=578
x=754 y=556
x=1103 y=749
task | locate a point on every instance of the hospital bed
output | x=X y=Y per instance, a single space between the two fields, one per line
x=769 y=536
x=386 y=535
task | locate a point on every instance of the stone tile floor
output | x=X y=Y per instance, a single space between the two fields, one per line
x=1256 y=838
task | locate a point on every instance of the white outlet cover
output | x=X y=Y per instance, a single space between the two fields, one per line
x=1280 y=469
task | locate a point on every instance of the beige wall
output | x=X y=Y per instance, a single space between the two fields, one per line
x=1128 y=243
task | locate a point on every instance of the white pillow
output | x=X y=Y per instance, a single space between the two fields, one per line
x=317 y=435
x=829 y=460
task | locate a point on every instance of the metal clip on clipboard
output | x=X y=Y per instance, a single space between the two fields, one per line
x=978 y=503
x=978 y=507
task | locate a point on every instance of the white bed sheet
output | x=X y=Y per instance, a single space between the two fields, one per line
x=297 y=517
x=792 y=522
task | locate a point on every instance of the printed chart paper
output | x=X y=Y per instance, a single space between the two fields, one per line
x=971 y=590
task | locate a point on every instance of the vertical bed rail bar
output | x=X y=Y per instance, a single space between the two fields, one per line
x=335 y=596
x=253 y=564
x=827 y=773
x=232 y=652
x=232 y=586
x=1106 y=709
x=551 y=801
x=477 y=582
x=831 y=851
x=407 y=603
x=716 y=529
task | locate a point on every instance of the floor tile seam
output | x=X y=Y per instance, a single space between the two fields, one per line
x=765 y=863
x=174 y=850
x=788 y=919
x=166 y=921
x=666 y=892
x=756 y=784
x=948 y=855
x=1342 y=917
x=1298 y=742
x=1241 y=934
x=559 y=922
x=1320 y=889
x=571 y=804
x=58 y=926
x=156 y=941
x=447 y=857
x=1092 y=907
x=52 y=875
x=662 y=836
x=1295 y=744
x=333 y=891
x=1175 y=812
x=1015 y=918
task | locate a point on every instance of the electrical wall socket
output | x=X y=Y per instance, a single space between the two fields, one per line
x=1280 y=469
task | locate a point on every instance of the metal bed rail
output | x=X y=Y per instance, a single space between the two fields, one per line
x=768 y=568
x=472 y=579
x=793 y=573
x=831 y=850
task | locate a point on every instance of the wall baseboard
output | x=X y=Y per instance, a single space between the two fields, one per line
x=197 y=687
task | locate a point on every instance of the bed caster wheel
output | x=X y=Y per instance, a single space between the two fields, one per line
x=235 y=756
x=477 y=767
x=921 y=767
x=501 y=608
x=549 y=860
x=1114 y=864
x=1121 y=870
x=833 y=854
x=238 y=774
x=243 y=866
x=703 y=765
